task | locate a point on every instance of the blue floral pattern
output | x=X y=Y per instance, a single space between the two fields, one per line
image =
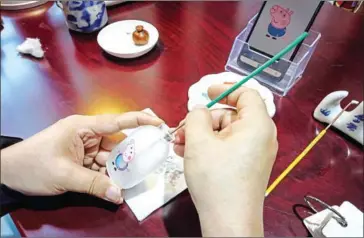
x=356 y=121
x=86 y=16
x=352 y=125
x=325 y=112
x=360 y=117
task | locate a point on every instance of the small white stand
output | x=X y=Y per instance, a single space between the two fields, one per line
x=350 y=123
x=335 y=221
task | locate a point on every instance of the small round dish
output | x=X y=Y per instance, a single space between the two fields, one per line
x=117 y=39
x=20 y=5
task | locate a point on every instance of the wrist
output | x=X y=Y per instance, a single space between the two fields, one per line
x=11 y=199
x=233 y=221
x=227 y=214
x=8 y=156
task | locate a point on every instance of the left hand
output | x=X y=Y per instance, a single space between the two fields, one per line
x=70 y=155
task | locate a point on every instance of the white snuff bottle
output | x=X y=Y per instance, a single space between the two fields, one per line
x=138 y=155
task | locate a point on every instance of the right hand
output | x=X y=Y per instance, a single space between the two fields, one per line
x=228 y=157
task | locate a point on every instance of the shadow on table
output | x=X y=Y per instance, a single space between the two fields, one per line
x=180 y=217
x=139 y=63
x=67 y=200
x=301 y=212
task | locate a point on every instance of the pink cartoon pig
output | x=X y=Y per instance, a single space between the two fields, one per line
x=123 y=159
x=281 y=18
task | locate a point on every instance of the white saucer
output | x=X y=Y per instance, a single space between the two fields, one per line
x=113 y=3
x=117 y=39
x=18 y=5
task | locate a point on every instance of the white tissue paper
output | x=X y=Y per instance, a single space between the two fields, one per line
x=31 y=46
x=159 y=187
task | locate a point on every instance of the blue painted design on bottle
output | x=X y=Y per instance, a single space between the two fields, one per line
x=71 y=18
x=123 y=158
x=76 y=5
x=120 y=163
x=86 y=16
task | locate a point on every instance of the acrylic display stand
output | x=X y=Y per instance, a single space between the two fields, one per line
x=291 y=76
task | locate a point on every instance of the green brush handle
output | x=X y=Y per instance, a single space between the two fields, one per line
x=260 y=69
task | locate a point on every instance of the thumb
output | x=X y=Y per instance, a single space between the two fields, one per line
x=95 y=184
x=198 y=124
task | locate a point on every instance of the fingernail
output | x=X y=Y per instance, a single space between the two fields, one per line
x=113 y=194
x=177 y=139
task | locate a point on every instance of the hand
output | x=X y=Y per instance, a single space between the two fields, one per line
x=228 y=156
x=69 y=156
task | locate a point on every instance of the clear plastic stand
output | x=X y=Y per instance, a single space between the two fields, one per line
x=289 y=75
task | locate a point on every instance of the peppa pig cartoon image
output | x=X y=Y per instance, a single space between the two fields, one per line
x=123 y=158
x=280 y=19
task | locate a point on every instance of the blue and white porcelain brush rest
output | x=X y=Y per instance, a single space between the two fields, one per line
x=350 y=122
x=84 y=16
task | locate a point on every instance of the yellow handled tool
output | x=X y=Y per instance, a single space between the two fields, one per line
x=305 y=152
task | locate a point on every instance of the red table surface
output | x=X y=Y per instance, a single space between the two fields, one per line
x=195 y=39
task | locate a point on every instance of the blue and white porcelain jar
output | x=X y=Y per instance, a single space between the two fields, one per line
x=84 y=16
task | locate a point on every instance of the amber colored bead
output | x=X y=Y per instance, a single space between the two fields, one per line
x=140 y=36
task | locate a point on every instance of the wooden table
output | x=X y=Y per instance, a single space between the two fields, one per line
x=195 y=39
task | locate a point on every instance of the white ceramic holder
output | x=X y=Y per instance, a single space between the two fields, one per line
x=197 y=94
x=325 y=223
x=350 y=122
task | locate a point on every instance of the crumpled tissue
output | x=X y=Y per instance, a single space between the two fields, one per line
x=31 y=46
